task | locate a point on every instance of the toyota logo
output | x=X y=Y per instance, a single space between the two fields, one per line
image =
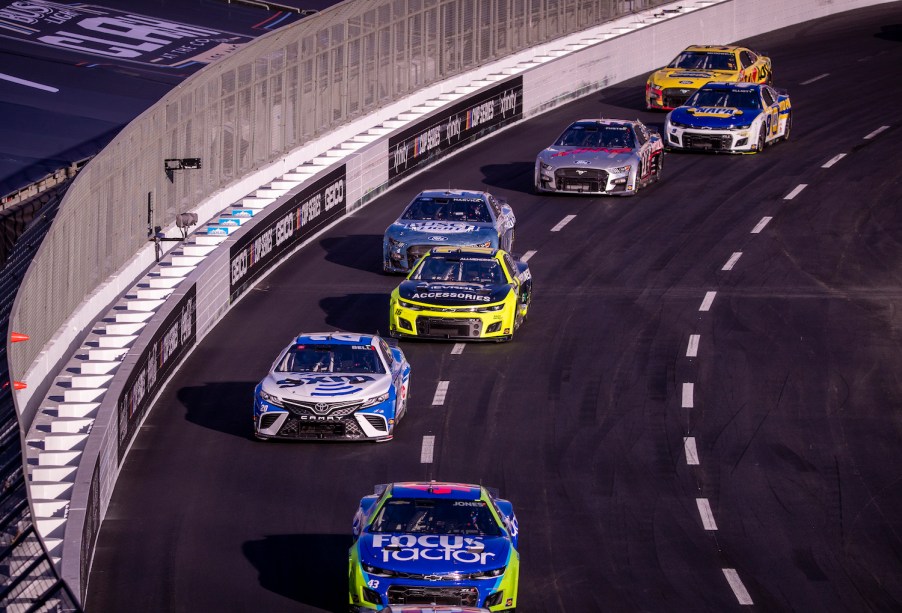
x=321 y=408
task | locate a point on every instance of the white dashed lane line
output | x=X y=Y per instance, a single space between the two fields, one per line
x=704 y=510
x=813 y=79
x=732 y=261
x=526 y=256
x=796 y=191
x=706 y=303
x=742 y=595
x=563 y=223
x=457 y=349
x=688 y=389
x=440 y=392
x=833 y=160
x=691 y=450
x=427 y=450
x=692 y=348
x=876 y=132
x=764 y=221
x=32 y=84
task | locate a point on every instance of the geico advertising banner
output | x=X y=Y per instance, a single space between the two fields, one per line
x=117 y=36
x=291 y=222
x=165 y=350
x=456 y=126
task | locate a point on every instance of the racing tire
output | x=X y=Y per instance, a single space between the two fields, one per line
x=659 y=166
x=788 y=127
x=761 y=138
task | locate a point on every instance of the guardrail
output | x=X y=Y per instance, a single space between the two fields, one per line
x=361 y=163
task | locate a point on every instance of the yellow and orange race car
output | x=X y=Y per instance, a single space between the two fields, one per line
x=670 y=87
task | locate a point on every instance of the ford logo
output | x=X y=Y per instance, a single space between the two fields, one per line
x=581 y=162
x=438 y=239
x=685 y=82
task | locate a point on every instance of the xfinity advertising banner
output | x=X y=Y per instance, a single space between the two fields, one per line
x=167 y=348
x=291 y=222
x=454 y=127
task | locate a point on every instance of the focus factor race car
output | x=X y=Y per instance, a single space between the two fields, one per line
x=434 y=543
x=672 y=85
x=467 y=293
x=601 y=156
x=732 y=117
x=333 y=386
x=447 y=217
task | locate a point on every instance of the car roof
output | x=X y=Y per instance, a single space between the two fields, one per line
x=713 y=48
x=476 y=252
x=334 y=338
x=436 y=489
x=607 y=122
x=730 y=85
x=451 y=193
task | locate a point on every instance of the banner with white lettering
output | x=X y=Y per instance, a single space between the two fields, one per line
x=302 y=215
x=164 y=352
x=116 y=35
x=455 y=127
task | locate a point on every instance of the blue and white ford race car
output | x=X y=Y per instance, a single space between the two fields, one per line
x=434 y=543
x=333 y=385
x=730 y=117
x=451 y=217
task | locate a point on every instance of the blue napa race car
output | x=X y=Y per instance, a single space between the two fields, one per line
x=333 y=385
x=452 y=217
x=730 y=117
x=431 y=543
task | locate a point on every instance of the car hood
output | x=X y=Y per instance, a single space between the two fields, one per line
x=683 y=77
x=442 y=232
x=433 y=554
x=713 y=117
x=593 y=157
x=452 y=294
x=325 y=387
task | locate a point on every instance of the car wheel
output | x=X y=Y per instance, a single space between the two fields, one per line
x=788 y=128
x=659 y=166
x=760 y=144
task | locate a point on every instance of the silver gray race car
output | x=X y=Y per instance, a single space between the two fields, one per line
x=601 y=156
x=449 y=217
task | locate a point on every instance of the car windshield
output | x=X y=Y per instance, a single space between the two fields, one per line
x=597 y=136
x=448 y=209
x=725 y=98
x=469 y=270
x=436 y=516
x=331 y=358
x=700 y=60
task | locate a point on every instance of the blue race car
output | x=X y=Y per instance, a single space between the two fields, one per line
x=434 y=543
x=730 y=117
x=452 y=217
x=333 y=385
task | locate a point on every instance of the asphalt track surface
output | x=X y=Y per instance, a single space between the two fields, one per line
x=791 y=400
x=60 y=105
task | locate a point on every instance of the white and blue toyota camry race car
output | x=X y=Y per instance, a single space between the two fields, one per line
x=333 y=385
x=449 y=218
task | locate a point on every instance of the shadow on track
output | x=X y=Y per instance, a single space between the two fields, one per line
x=308 y=568
x=357 y=312
x=223 y=406
x=360 y=251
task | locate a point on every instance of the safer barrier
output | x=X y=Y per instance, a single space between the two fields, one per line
x=369 y=161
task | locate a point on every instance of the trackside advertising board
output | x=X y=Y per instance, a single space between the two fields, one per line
x=165 y=350
x=302 y=215
x=455 y=127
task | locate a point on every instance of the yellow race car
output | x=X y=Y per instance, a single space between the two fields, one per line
x=670 y=87
x=474 y=293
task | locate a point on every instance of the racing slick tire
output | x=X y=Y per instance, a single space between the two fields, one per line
x=761 y=137
x=788 y=127
x=659 y=166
